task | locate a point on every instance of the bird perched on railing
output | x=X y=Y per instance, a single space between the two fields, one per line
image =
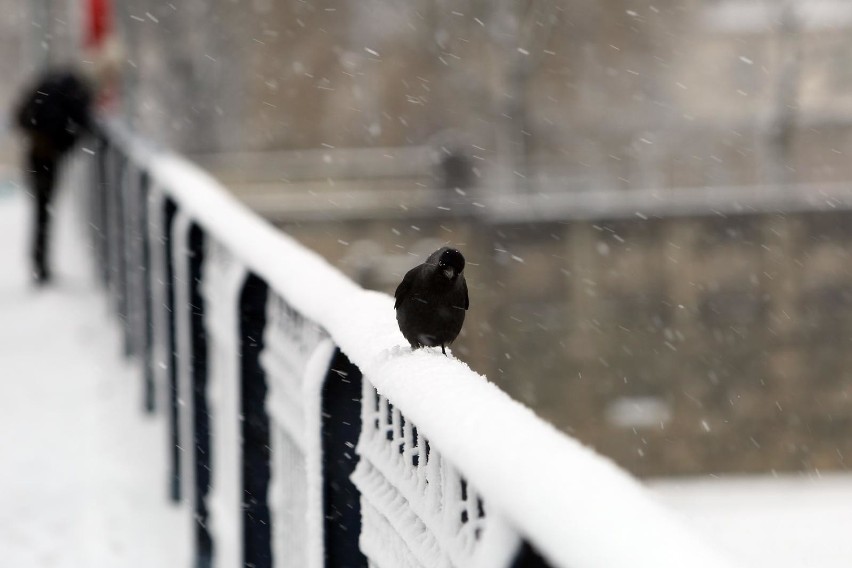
x=431 y=300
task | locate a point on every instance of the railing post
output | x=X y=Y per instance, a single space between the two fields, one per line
x=257 y=545
x=100 y=213
x=123 y=230
x=169 y=212
x=200 y=410
x=93 y=200
x=158 y=284
x=113 y=239
x=341 y=427
x=528 y=557
x=134 y=260
x=146 y=291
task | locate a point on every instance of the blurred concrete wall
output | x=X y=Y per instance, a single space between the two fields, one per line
x=545 y=95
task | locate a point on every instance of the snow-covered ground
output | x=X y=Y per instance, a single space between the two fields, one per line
x=784 y=522
x=82 y=469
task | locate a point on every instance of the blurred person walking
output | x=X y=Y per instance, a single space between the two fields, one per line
x=52 y=114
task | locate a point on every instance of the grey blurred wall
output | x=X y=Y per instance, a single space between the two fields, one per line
x=17 y=47
x=33 y=35
x=546 y=95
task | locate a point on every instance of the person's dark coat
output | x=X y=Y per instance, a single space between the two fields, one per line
x=55 y=111
x=53 y=114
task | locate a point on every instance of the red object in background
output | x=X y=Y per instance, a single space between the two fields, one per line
x=99 y=24
x=98 y=41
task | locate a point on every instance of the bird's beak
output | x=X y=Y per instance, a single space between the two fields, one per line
x=449 y=272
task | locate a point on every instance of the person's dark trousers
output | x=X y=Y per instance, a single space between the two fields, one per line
x=42 y=172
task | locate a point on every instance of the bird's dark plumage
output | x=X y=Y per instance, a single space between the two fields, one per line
x=432 y=299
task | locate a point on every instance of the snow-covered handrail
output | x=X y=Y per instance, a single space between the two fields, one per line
x=450 y=470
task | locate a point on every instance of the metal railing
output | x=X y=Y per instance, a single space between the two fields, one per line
x=302 y=434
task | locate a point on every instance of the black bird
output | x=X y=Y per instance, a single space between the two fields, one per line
x=431 y=300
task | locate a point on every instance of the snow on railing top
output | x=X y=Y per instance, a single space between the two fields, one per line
x=577 y=508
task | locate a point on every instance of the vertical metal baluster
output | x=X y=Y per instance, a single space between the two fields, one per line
x=257 y=545
x=146 y=291
x=341 y=427
x=199 y=408
x=170 y=210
